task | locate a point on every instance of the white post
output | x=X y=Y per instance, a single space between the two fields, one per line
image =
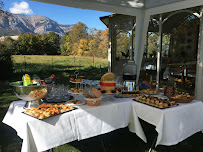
x=159 y=52
x=131 y=40
x=110 y=49
x=199 y=69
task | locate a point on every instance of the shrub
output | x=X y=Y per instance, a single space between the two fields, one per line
x=6 y=50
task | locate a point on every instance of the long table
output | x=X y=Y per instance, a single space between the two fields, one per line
x=173 y=124
x=85 y=122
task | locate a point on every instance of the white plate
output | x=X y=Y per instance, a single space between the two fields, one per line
x=83 y=102
x=75 y=93
x=75 y=82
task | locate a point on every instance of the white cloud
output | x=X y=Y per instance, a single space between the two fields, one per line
x=21 y=8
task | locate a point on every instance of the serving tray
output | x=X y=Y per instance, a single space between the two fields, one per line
x=155 y=106
x=75 y=108
x=127 y=95
x=61 y=101
x=150 y=93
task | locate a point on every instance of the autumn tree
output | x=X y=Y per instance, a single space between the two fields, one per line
x=63 y=47
x=103 y=46
x=72 y=39
x=94 y=48
x=83 y=47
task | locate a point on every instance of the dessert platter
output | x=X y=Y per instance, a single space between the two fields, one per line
x=155 y=102
x=75 y=80
x=150 y=91
x=75 y=91
x=48 y=110
x=75 y=102
x=128 y=94
x=182 y=98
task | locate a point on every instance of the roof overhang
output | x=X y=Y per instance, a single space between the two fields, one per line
x=133 y=7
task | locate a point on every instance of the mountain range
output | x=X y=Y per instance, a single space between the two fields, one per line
x=14 y=24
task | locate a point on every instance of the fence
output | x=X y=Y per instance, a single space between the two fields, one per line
x=44 y=64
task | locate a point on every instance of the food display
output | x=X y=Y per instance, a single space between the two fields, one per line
x=151 y=91
x=170 y=91
x=38 y=93
x=182 y=98
x=128 y=94
x=75 y=102
x=75 y=90
x=155 y=102
x=115 y=91
x=107 y=82
x=47 y=110
x=150 y=83
x=93 y=98
x=75 y=80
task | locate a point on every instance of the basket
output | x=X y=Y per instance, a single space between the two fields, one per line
x=180 y=100
x=107 y=85
x=93 y=101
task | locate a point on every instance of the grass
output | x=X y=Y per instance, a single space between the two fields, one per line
x=63 y=67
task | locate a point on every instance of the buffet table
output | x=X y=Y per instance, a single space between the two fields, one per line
x=173 y=125
x=85 y=122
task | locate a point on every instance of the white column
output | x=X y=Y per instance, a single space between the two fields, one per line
x=199 y=69
x=159 y=52
x=110 y=49
x=142 y=23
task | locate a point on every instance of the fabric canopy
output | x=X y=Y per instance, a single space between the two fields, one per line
x=143 y=10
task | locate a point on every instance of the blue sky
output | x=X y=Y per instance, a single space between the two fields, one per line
x=60 y=14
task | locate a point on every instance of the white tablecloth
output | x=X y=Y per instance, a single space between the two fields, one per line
x=85 y=122
x=172 y=124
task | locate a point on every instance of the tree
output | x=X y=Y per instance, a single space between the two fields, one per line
x=83 y=47
x=29 y=43
x=50 y=43
x=1 y=6
x=10 y=44
x=73 y=38
x=103 y=46
x=64 y=44
x=7 y=46
x=93 y=47
x=79 y=32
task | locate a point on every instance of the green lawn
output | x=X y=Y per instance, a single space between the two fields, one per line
x=63 y=67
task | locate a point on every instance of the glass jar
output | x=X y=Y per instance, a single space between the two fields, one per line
x=36 y=79
x=129 y=71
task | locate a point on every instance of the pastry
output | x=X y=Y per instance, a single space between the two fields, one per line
x=72 y=79
x=78 y=80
